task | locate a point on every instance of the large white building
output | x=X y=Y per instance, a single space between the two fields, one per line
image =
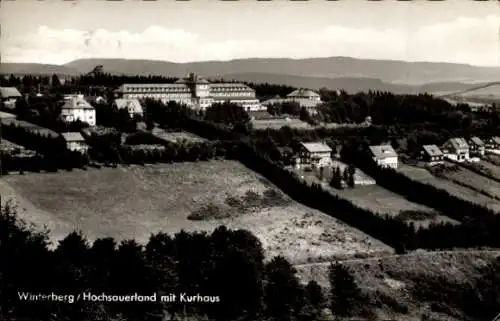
x=77 y=108
x=194 y=92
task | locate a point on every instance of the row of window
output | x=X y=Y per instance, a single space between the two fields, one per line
x=170 y=89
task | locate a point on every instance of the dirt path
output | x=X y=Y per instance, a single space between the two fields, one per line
x=376 y=258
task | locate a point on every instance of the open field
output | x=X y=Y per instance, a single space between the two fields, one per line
x=380 y=200
x=278 y=123
x=177 y=137
x=394 y=279
x=475 y=181
x=134 y=202
x=487 y=168
x=424 y=176
x=492 y=158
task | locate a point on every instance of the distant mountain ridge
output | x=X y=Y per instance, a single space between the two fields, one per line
x=346 y=73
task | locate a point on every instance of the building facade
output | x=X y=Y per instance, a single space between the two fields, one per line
x=306 y=98
x=493 y=143
x=456 y=149
x=384 y=156
x=77 y=108
x=132 y=106
x=75 y=142
x=476 y=146
x=9 y=97
x=432 y=155
x=194 y=92
x=318 y=154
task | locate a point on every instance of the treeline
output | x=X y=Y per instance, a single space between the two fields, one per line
x=223 y=275
x=109 y=149
x=51 y=152
x=422 y=119
x=46 y=113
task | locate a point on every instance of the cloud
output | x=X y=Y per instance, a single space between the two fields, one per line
x=463 y=40
x=467 y=40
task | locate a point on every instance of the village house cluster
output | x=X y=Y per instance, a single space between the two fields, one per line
x=316 y=156
x=192 y=91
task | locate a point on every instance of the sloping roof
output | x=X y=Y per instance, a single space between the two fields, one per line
x=477 y=141
x=496 y=140
x=9 y=92
x=76 y=103
x=301 y=93
x=458 y=143
x=192 y=78
x=73 y=137
x=274 y=101
x=432 y=150
x=129 y=103
x=316 y=147
x=383 y=151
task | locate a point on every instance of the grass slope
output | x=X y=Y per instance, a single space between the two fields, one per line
x=134 y=202
x=393 y=280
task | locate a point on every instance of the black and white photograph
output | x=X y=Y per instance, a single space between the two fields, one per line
x=212 y=160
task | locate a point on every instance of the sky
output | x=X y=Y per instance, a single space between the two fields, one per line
x=57 y=32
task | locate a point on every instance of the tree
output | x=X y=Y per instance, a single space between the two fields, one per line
x=282 y=293
x=345 y=294
x=336 y=180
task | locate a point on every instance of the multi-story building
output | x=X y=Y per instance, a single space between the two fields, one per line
x=194 y=92
x=384 y=156
x=304 y=97
x=432 y=155
x=477 y=146
x=456 y=149
x=317 y=154
x=77 y=108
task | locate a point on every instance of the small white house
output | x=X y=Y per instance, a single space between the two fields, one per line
x=456 y=149
x=75 y=142
x=77 y=108
x=384 y=156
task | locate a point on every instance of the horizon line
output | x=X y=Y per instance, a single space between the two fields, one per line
x=258 y=58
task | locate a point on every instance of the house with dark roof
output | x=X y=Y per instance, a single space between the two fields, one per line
x=133 y=106
x=75 y=142
x=493 y=143
x=431 y=154
x=9 y=97
x=476 y=146
x=317 y=153
x=384 y=155
x=456 y=148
